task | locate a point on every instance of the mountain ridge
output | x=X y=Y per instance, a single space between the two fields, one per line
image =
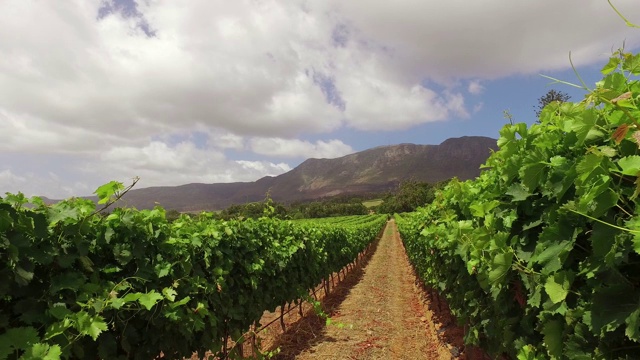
x=373 y=170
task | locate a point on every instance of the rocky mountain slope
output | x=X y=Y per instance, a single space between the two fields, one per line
x=374 y=170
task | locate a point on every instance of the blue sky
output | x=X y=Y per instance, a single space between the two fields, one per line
x=217 y=91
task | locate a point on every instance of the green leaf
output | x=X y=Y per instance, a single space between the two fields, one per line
x=584 y=125
x=632 y=63
x=16 y=200
x=59 y=311
x=577 y=346
x=6 y=221
x=633 y=326
x=553 y=337
x=630 y=165
x=558 y=286
x=611 y=66
x=612 y=306
x=62 y=212
x=480 y=209
x=20 y=338
x=106 y=191
x=23 y=277
x=162 y=269
x=37 y=201
x=604 y=202
x=500 y=266
x=602 y=239
x=551 y=257
x=634 y=226
x=57 y=328
x=117 y=303
x=554 y=244
x=557 y=161
x=90 y=325
x=149 y=299
x=69 y=280
x=518 y=191
x=532 y=175
x=607 y=151
x=169 y=293
x=42 y=351
x=588 y=165
x=122 y=253
x=528 y=352
x=181 y=302
x=108 y=234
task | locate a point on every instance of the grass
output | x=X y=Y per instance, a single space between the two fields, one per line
x=372 y=203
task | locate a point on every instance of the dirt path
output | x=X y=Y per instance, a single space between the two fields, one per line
x=377 y=315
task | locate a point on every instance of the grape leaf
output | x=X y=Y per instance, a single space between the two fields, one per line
x=518 y=191
x=558 y=286
x=149 y=299
x=633 y=325
x=42 y=351
x=57 y=328
x=553 y=337
x=90 y=325
x=108 y=190
x=500 y=266
x=612 y=65
x=612 y=306
x=169 y=293
x=630 y=165
x=62 y=212
x=162 y=269
x=20 y=338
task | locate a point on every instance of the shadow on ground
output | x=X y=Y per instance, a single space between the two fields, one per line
x=309 y=330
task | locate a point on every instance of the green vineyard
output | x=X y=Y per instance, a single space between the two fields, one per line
x=539 y=257
x=130 y=284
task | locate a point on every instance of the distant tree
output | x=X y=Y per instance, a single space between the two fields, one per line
x=551 y=96
x=172 y=215
x=255 y=210
x=328 y=207
x=410 y=195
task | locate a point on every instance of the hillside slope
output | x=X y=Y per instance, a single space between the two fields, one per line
x=373 y=170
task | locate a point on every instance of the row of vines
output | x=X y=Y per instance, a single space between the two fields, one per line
x=539 y=257
x=130 y=284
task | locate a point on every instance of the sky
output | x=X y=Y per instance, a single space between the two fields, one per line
x=207 y=91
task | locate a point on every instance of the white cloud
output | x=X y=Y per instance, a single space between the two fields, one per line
x=490 y=39
x=275 y=68
x=156 y=163
x=265 y=168
x=32 y=184
x=226 y=141
x=103 y=90
x=9 y=181
x=475 y=87
x=293 y=148
x=160 y=164
x=455 y=104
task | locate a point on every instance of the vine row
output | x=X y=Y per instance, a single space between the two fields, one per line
x=540 y=255
x=131 y=285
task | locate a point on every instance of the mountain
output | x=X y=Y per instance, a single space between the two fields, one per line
x=374 y=170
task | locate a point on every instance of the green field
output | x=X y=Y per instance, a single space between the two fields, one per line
x=372 y=203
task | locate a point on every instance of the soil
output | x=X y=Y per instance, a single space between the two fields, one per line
x=378 y=310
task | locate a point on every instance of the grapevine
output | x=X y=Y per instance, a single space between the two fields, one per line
x=76 y=284
x=539 y=256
